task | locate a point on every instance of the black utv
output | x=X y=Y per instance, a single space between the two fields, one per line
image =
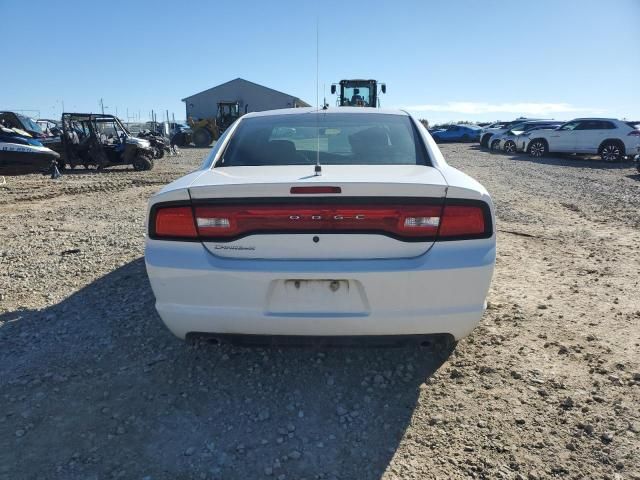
x=99 y=140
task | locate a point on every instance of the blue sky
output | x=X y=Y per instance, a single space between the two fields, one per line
x=452 y=60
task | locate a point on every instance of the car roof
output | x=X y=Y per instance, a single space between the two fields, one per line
x=595 y=118
x=338 y=110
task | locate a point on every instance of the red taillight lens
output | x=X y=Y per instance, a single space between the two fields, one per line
x=462 y=221
x=403 y=221
x=399 y=220
x=175 y=222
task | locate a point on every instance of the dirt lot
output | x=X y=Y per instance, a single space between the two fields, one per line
x=92 y=386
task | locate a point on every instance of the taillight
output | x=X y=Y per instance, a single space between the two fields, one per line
x=225 y=222
x=410 y=222
x=174 y=223
x=459 y=221
x=634 y=133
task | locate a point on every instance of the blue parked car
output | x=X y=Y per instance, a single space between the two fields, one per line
x=458 y=133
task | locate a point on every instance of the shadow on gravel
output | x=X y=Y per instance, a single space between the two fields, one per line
x=96 y=387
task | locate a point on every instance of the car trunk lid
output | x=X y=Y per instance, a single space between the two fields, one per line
x=347 y=212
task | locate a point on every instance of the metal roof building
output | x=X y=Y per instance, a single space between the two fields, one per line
x=251 y=97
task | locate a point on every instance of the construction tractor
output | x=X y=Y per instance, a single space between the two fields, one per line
x=358 y=93
x=206 y=130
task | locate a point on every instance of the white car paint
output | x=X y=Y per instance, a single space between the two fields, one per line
x=577 y=136
x=517 y=136
x=278 y=284
x=494 y=133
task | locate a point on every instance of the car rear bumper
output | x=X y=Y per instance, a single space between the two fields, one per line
x=440 y=292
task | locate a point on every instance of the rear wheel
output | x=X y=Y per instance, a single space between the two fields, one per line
x=538 y=148
x=611 y=152
x=142 y=162
x=495 y=145
x=510 y=146
x=159 y=153
x=484 y=141
x=179 y=139
x=202 y=137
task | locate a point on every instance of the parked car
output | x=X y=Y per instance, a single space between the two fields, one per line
x=610 y=138
x=510 y=140
x=437 y=128
x=489 y=128
x=355 y=227
x=501 y=127
x=457 y=133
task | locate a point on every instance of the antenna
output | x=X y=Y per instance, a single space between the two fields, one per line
x=318 y=168
x=317 y=62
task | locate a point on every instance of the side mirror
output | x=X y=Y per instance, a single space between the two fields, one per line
x=333 y=89
x=383 y=87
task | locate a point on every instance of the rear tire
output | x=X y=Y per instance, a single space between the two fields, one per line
x=538 y=148
x=484 y=140
x=202 y=138
x=611 y=151
x=495 y=146
x=179 y=139
x=510 y=146
x=142 y=163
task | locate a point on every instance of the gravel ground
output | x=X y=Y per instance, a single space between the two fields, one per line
x=92 y=386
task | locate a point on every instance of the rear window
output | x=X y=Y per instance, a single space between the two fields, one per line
x=336 y=138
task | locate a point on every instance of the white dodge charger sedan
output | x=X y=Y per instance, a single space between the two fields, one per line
x=337 y=224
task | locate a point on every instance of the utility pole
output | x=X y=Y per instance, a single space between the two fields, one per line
x=102 y=106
